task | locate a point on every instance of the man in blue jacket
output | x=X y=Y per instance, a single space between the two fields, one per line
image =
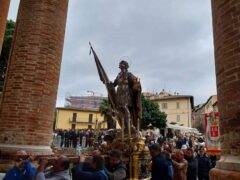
x=192 y=170
x=22 y=169
x=203 y=165
x=97 y=169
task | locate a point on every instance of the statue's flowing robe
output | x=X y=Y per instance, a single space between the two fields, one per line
x=129 y=95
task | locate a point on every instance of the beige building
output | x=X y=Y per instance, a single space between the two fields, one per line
x=209 y=105
x=80 y=112
x=198 y=112
x=77 y=118
x=177 y=107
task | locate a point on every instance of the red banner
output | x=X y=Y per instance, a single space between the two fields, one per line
x=212 y=133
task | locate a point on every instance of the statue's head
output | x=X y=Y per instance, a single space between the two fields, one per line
x=123 y=64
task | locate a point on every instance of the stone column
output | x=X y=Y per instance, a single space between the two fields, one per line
x=226 y=30
x=4 y=6
x=30 y=90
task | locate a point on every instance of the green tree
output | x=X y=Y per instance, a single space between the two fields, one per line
x=106 y=111
x=104 y=107
x=6 y=50
x=151 y=114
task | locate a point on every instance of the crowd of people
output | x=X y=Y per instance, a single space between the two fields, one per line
x=70 y=138
x=184 y=156
x=174 y=157
x=94 y=167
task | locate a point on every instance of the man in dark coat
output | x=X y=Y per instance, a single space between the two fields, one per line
x=166 y=155
x=192 y=170
x=97 y=169
x=159 y=164
x=115 y=168
x=161 y=139
x=179 y=143
x=80 y=136
x=169 y=134
x=74 y=138
x=203 y=165
x=61 y=134
x=66 y=138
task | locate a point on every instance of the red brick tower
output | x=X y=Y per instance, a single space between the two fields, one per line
x=4 y=6
x=30 y=90
x=226 y=28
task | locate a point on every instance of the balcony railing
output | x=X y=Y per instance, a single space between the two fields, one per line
x=81 y=122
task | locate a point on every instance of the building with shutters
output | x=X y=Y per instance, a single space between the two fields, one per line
x=177 y=107
x=78 y=118
x=81 y=112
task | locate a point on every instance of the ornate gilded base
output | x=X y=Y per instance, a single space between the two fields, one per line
x=140 y=165
x=136 y=155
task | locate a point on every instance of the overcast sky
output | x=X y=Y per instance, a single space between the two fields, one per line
x=168 y=44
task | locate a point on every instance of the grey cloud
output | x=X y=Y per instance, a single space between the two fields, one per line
x=168 y=44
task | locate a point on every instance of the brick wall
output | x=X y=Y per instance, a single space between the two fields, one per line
x=29 y=98
x=4 y=6
x=226 y=28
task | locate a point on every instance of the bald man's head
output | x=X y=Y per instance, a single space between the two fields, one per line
x=179 y=155
x=61 y=164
